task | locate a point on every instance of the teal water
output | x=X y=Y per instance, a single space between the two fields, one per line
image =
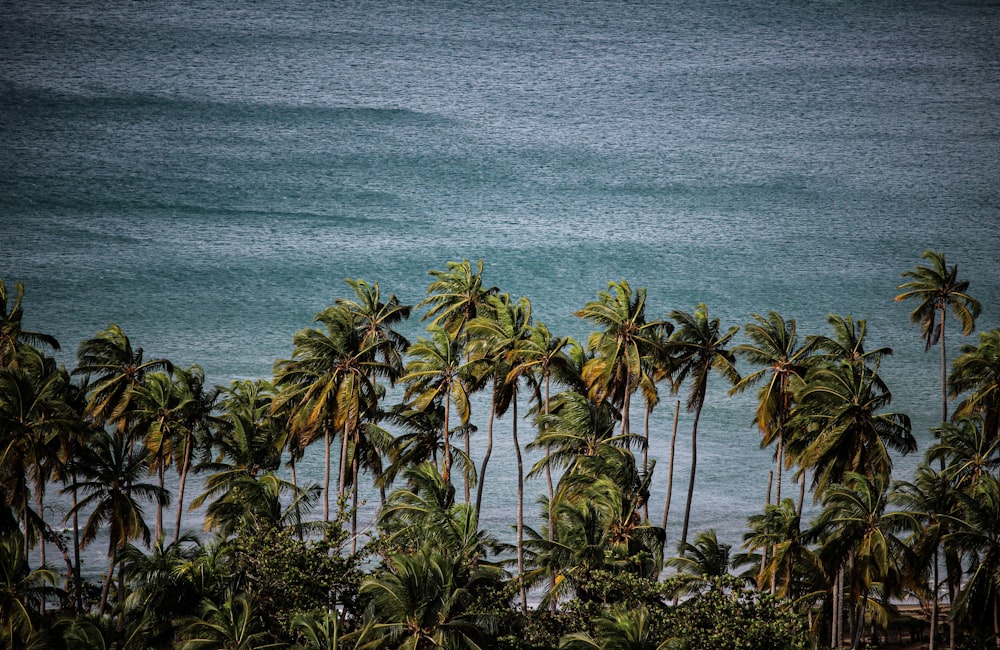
x=206 y=176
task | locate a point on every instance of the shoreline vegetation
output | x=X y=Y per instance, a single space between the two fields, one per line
x=282 y=564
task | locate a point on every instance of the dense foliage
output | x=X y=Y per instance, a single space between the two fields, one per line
x=271 y=571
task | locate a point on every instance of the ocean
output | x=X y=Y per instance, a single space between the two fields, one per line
x=206 y=175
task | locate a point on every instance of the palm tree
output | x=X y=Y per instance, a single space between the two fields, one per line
x=455 y=296
x=937 y=288
x=420 y=441
x=328 y=382
x=159 y=414
x=199 y=427
x=500 y=338
x=699 y=347
x=621 y=628
x=625 y=340
x=847 y=344
x=840 y=408
x=233 y=625
x=977 y=372
x=701 y=561
x=436 y=374
x=33 y=415
x=22 y=591
x=12 y=334
x=931 y=505
x=113 y=370
x=777 y=530
x=860 y=532
x=421 y=601
x=111 y=471
x=977 y=536
x=774 y=345
x=966 y=451
x=375 y=320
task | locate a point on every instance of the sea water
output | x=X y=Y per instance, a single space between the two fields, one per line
x=207 y=174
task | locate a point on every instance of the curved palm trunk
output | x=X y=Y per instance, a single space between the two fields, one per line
x=554 y=605
x=486 y=458
x=694 y=468
x=670 y=470
x=180 y=489
x=935 y=606
x=520 y=512
x=159 y=505
x=77 y=585
x=645 y=453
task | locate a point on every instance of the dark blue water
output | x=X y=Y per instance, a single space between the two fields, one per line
x=206 y=176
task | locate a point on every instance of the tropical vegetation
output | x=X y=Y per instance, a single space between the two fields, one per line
x=280 y=561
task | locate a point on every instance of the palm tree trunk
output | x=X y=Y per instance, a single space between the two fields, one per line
x=326 y=475
x=39 y=501
x=344 y=448
x=626 y=425
x=107 y=584
x=180 y=490
x=486 y=458
x=159 y=505
x=935 y=607
x=670 y=469
x=554 y=605
x=520 y=511
x=944 y=374
x=763 y=552
x=354 y=504
x=77 y=585
x=645 y=452
x=802 y=493
x=446 y=472
x=694 y=468
x=777 y=482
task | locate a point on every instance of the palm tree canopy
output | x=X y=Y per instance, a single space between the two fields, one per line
x=455 y=296
x=936 y=287
x=700 y=347
x=977 y=372
x=12 y=334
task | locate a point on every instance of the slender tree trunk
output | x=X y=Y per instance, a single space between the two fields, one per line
x=944 y=373
x=645 y=452
x=554 y=604
x=446 y=473
x=180 y=490
x=763 y=552
x=344 y=450
x=326 y=475
x=694 y=468
x=777 y=476
x=40 y=502
x=833 y=613
x=159 y=505
x=107 y=585
x=859 y=622
x=935 y=607
x=670 y=469
x=77 y=584
x=626 y=425
x=354 y=503
x=520 y=511
x=802 y=493
x=465 y=475
x=486 y=458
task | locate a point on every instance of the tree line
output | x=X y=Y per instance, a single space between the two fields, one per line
x=270 y=571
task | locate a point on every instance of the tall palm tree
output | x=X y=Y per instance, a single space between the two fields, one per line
x=937 y=289
x=455 y=296
x=436 y=374
x=159 y=416
x=200 y=427
x=112 y=468
x=977 y=535
x=375 y=320
x=930 y=502
x=113 y=370
x=699 y=346
x=966 y=451
x=774 y=345
x=500 y=337
x=841 y=409
x=328 y=383
x=12 y=334
x=33 y=416
x=624 y=340
x=977 y=372
x=861 y=532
